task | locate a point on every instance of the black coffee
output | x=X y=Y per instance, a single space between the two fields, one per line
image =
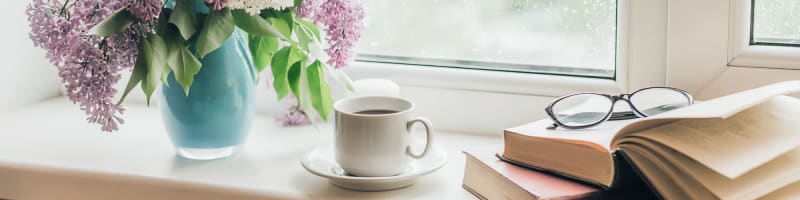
x=376 y=112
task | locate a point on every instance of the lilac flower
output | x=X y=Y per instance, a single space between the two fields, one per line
x=308 y=9
x=342 y=21
x=294 y=116
x=217 y=4
x=88 y=65
x=145 y=10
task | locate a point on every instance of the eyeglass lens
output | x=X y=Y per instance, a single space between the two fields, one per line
x=655 y=101
x=582 y=109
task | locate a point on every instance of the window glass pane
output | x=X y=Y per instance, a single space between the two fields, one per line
x=548 y=36
x=776 y=22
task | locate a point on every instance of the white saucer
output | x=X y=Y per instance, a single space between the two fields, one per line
x=321 y=162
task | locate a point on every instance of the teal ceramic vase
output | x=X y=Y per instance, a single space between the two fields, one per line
x=216 y=115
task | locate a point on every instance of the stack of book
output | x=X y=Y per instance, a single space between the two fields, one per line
x=741 y=146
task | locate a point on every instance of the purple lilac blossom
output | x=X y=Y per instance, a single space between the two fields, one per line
x=145 y=9
x=308 y=10
x=88 y=65
x=343 y=22
x=217 y=4
x=294 y=116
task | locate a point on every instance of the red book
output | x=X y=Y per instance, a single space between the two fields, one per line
x=488 y=177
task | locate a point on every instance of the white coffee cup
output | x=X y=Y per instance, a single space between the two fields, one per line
x=372 y=135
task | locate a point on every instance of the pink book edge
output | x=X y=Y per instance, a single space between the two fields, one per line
x=540 y=184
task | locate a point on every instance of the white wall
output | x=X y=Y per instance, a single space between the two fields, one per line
x=25 y=74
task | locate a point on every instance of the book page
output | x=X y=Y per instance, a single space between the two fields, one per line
x=787 y=192
x=729 y=105
x=662 y=176
x=598 y=137
x=722 y=107
x=738 y=144
x=753 y=184
x=769 y=177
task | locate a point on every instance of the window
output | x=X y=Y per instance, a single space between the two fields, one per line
x=568 y=37
x=776 y=22
x=760 y=47
x=494 y=92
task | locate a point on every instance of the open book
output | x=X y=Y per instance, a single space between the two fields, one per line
x=741 y=146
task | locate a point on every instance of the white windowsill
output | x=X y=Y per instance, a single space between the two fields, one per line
x=49 y=151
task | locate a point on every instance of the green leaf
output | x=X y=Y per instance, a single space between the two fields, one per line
x=280 y=69
x=254 y=24
x=146 y=50
x=320 y=91
x=309 y=27
x=184 y=66
x=159 y=50
x=180 y=60
x=139 y=73
x=149 y=66
x=283 y=26
x=116 y=23
x=304 y=99
x=262 y=48
x=219 y=26
x=163 y=20
x=293 y=78
x=165 y=75
x=174 y=42
x=183 y=17
x=156 y=60
x=281 y=63
x=303 y=37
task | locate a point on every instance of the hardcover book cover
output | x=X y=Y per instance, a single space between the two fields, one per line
x=489 y=177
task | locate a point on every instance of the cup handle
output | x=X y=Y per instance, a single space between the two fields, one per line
x=428 y=134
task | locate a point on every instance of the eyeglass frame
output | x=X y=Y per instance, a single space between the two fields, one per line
x=614 y=99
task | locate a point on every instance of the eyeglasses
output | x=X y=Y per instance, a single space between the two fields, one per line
x=584 y=110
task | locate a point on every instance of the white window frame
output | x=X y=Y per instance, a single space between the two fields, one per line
x=709 y=53
x=742 y=54
x=480 y=101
